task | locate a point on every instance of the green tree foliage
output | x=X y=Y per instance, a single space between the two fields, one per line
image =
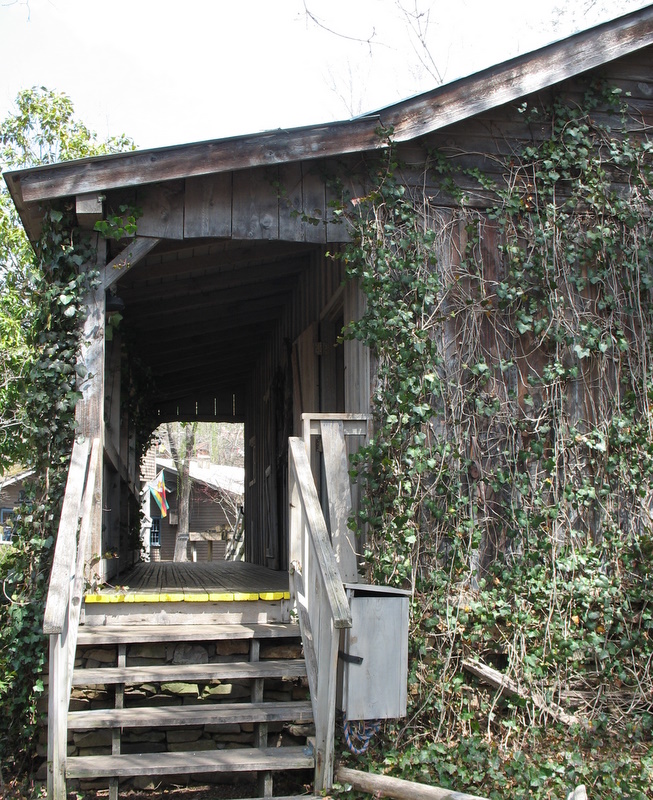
x=43 y=130
x=41 y=311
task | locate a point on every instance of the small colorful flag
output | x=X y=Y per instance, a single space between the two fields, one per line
x=158 y=490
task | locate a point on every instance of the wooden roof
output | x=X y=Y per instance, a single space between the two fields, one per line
x=222 y=252
x=409 y=119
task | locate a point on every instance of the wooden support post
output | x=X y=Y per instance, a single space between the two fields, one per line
x=57 y=717
x=385 y=786
x=326 y=703
x=119 y=702
x=264 y=779
x=90 y=408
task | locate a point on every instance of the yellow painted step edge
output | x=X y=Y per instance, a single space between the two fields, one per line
x=188 y=597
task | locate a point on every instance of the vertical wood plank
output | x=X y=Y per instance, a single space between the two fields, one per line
x=326 y=703
x=119 y=702
x=255 y=205
x=357 y=356
x=291 y=204
x=314 y=206
x=339 y=498
x=163 y=210
x=207 y=206
x=57 y=718
x=305 y=376
x=337 y=229
x=89 y=412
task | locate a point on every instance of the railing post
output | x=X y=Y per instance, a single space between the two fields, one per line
x=62 y=610
x=322 y=605
x=325 y=724
x=57 y=717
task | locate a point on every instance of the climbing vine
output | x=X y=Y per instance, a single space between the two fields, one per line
x=49 y=394
x=509 y=482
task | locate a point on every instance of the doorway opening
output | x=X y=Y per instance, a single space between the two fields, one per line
x=193 y=481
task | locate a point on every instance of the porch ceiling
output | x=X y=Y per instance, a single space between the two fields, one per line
x=199 y=317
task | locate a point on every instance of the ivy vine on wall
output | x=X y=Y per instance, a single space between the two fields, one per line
x=509 y=481
x=49 y=393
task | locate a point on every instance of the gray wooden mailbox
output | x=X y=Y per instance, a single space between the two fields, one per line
x=373 y=663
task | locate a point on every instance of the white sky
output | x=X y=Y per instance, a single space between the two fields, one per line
x=174 y=71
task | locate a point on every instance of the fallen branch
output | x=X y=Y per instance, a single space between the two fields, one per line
x=385 y=786
x=502 y=682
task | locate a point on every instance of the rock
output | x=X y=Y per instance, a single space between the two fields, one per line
x=79 y=704
x=190 y=654
x=100 y=656
x=93 y=739
x=281 y=651
x=181 y=688
x=190 y=747
x=184 y=735
x=579 y=793
x=232 y=647
x=225 y=727
x=150 y=736
x=301 y=730
x=231 y=738
x=131 y=748
x=149 y=651
x=278 y=696
x=145 y=783
x=95 y=751
x=147 y=688
x=213 y=689
x=158 y=700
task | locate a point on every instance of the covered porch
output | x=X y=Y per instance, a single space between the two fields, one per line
x=193 y=582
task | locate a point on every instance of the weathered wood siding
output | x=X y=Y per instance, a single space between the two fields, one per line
x=287 y=202
x=270 y=395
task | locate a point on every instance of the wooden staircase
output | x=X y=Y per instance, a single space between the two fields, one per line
x=321 y=559
x=257 y=712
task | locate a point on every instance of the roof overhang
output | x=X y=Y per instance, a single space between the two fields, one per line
x=408 y=120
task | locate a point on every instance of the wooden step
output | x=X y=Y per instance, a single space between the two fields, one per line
x=131 y=634
x=186 y=763
x=201 y=714
x=283 y=669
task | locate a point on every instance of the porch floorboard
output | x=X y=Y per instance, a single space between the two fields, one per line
x=195 y=579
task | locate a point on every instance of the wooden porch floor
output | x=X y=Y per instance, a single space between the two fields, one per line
x=214 y=581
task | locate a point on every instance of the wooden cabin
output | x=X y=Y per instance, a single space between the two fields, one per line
x=11 y=496
x=230 y=275
x=215 y=509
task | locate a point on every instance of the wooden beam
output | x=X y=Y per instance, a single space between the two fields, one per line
x=518 y=77
x=204 y=158
x=182 y=276
x=88 y=208
x=89 y=413
x=130 y=256
x=418 y=116
x=503 y=683
x=385 y=786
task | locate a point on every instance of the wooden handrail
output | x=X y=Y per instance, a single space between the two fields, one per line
x=321 y=602
x=63 y=605
x=63 y=563
x=319 y=535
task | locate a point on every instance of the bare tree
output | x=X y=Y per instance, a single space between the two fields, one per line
x=182 y=442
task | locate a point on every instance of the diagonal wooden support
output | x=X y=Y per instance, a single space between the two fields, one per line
x=130 y=256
